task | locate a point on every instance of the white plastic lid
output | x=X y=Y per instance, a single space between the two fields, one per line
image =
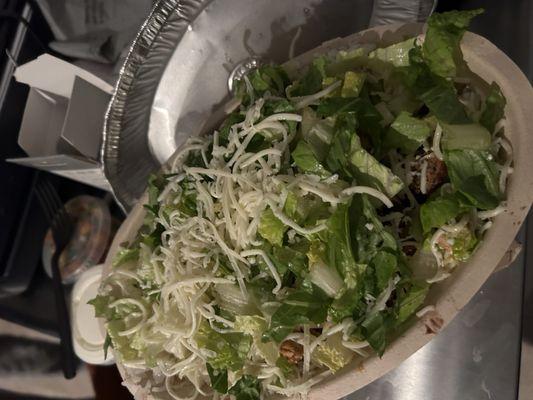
x=88 y=334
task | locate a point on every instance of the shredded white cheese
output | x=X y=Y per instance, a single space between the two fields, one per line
x=423 y=177
x=370 y=191
x=305 y=101
x=436 y=142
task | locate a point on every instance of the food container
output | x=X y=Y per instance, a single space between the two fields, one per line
x=90 y=238
x=449 y=296
x=88 y=337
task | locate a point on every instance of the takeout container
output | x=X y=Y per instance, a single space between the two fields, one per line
x=451 y=295
x=92 y=232
x=87 y=336
x=61 y=129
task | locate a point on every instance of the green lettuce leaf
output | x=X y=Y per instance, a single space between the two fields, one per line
x=254 y=326
x=437 y=211
x=343 y=142
x=271 y=228
x=475 y=176
x=468 y=136
x=306 y=160
x=246 y=388
x=267 y=78
x=300 y=307
x=385 y=264
x=436 y=92
x=125 y=255
x=407 y=133
x=305 y=210
x=339 y=246
x=326 y=278
x=287 y=259
x=411 y=300
x=232 y=119
x=286 y=367
x=441 y=45
x=368 y=117
x=375 y=331
x=332 y=354
x=102 y=309
x=121 y=344
x=290 y=208
x=493 y=110
x=311 y=82
x=371 y=172
x=317 y=132
x=375 y=254
x=352 y=84
x=396 y=54
x=367 y=242
x=218 y=378
x=231 y=348
x=108 y=342
x=350 y=303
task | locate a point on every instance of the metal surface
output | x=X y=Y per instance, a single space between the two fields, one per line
x=175 y=77
x=477 y=357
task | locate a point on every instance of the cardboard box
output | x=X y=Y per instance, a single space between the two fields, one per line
x=62 y=126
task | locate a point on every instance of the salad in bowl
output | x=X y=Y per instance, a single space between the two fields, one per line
x=304 y=234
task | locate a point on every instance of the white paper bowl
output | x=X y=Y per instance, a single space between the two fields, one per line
x=451 y=295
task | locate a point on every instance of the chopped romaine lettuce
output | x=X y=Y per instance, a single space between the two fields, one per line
x=271 y=228
x=267 y=78
x=352 y=84
x=410 y=299
x=332 y=353
x=300 y=307
x=407 y=133
x=124 y=256
x=246 y=388
x=254 y=326
x=397 y=54
x=230 y=349
x=441 y=44
x=288 y=259
x=372 y=173
x=463 y=137
x=439 y=210
x=101 y=307
x=317 y=132
x=475 y=175
x=218 y=378
x=436 y=92
x=306 y=160
x=493 y=110
x=311 y=81
x=339 y=244
x=375 y=328
x=385 y=264
x=326 y=278
x=230 y=298
x=342 y=144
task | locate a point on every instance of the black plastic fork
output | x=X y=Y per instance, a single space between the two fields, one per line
x=61 y=226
